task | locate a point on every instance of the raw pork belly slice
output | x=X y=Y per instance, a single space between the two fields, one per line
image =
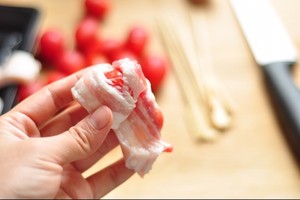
x=137 y=119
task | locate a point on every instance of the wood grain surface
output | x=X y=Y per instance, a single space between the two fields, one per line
x=252 y=158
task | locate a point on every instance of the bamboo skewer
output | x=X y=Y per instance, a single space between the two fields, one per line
x=195 y=117
x=219 y=107
x=205 y=103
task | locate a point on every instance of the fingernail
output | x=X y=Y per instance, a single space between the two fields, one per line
x=101 y=117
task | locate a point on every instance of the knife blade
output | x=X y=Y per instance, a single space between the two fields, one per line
x=274 y=51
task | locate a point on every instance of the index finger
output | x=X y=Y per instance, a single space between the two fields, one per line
x=45 y=103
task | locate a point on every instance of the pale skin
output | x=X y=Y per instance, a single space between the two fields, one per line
x=47 y=141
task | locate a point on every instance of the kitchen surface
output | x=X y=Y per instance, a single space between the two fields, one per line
x=250 y=157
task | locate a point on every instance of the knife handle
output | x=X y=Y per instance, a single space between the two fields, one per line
x=286 y=98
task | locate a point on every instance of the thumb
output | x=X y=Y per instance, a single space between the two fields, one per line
x=82 y=139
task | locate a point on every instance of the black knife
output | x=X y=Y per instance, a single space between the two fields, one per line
x=274 y=51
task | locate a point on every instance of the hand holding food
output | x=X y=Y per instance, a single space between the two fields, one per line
x=137 y=119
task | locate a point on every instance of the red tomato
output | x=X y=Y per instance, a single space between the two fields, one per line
x=94 y=48
x=51 y=45
x=137 y=39
x=155 y=69
x=159 y=118
x=97 y=8
x=95 y=58
x=114 y=74
x=86 y=33
x=28 y=89
x=116 y=77
x=124 y=54
x=54 y=75
x=71 y=61
x=111 y=48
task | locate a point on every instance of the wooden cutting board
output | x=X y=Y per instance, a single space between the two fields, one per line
x=250 y=160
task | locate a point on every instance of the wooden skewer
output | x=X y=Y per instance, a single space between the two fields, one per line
x=196 y=119
x=218 y=106
x=220 y=110
x=206 y=101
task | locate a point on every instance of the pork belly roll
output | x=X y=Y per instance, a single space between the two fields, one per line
x=137 y=118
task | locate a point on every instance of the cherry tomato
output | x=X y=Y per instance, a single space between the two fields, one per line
x=51 y=45
x=116 y=78
x=28 y=89
x=93 y=54
x=94 y=48
x=97 y=8
x=95 y=58
x=114 y=74
x=54 y=75
x=155 y=69
x=157 y=114
x=71 y=61
x=137 y=39
x=159 y=119
x=124 y=54
x=86 y=33
x=111 y=48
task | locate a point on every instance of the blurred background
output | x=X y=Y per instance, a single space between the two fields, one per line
x=242 y=153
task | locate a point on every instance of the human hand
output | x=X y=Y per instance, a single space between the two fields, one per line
x=47 y=141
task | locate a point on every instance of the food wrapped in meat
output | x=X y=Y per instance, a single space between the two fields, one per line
x=137 y=118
